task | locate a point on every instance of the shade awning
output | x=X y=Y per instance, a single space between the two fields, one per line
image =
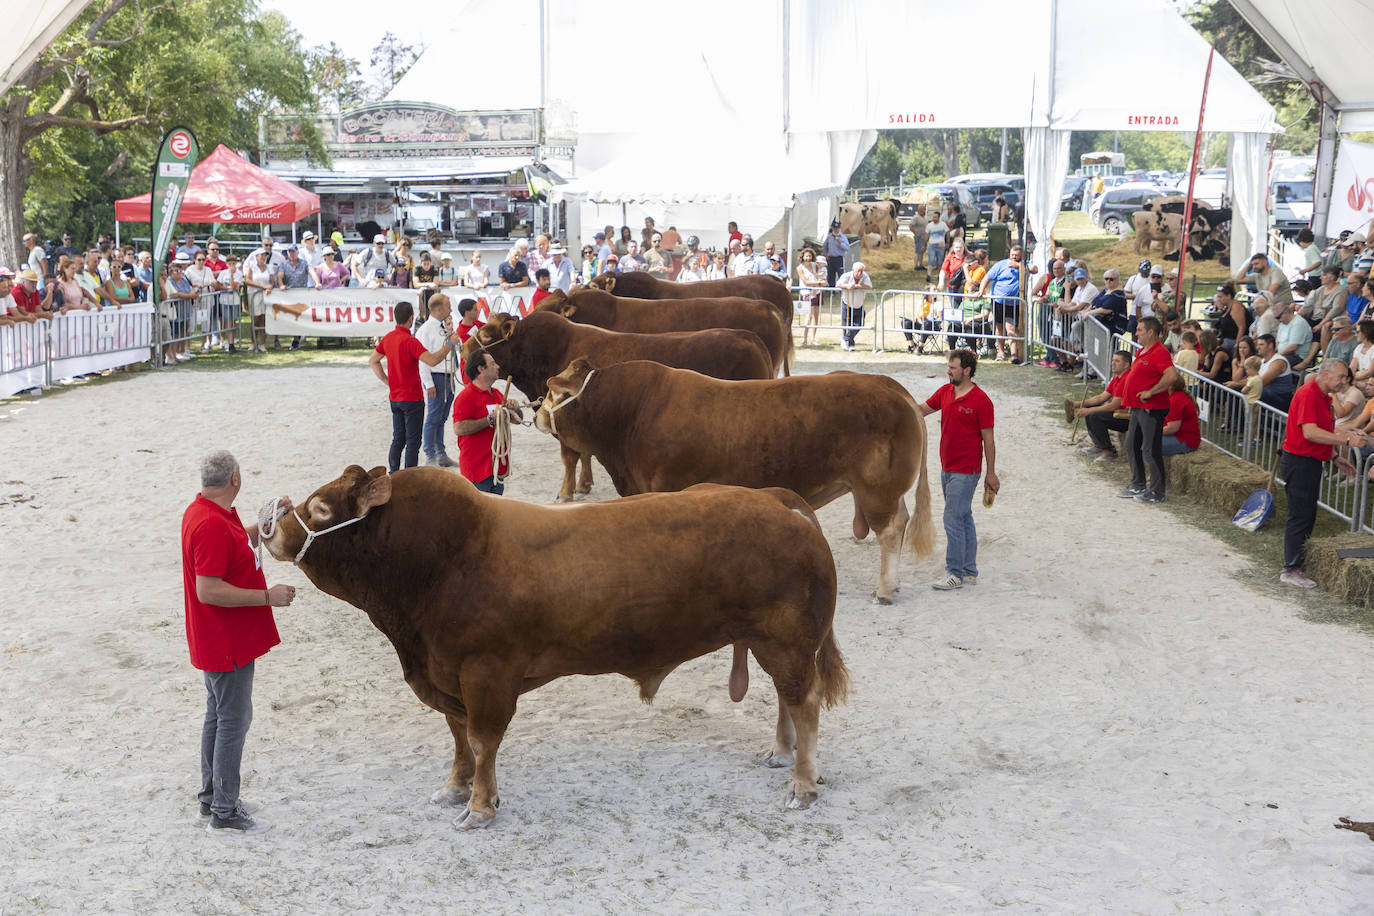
x=226 y=188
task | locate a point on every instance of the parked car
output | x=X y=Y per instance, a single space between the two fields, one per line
x=1291 y=203
x=948 y=193
x=986 y=194
x=1018 y=182
x=1075 y=186
x=1113 y=208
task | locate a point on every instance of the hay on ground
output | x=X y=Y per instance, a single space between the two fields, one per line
x=1352 y=580
x=1216 y=480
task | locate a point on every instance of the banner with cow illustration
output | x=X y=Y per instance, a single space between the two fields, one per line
x=342 y=312
x=1352 y=193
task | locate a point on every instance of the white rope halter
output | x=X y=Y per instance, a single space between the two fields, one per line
x=553 y=426
x=267 y=524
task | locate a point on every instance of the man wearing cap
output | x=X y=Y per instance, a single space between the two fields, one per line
x=560 y=268
x=376 y=258
x=1141 y=278
x=294 y=273
x=1081 y=294
x=71 y=250
x=27 y=300
x=856 y=283
x=656 y=261
x=834 y=248
x=310 y=250
x=1266 y=278
x=773 y=268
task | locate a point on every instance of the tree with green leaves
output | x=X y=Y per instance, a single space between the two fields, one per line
x=391 y=58
x=81 y=125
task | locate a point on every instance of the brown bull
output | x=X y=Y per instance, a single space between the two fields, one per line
x=657 y=429
x=645 y=316
x=529 y=594
x=640 y=285
x=529 y=351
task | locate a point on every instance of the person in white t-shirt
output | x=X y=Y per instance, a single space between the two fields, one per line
x=476 y=275
x=228 y=281
x=259 y=278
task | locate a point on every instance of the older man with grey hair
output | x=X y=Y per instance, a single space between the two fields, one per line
x=229 y=625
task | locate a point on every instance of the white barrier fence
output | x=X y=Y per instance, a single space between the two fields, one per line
x=34 y=354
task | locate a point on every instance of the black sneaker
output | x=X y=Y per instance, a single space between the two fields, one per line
x=238 y=822
x=1131 y=492
x=243 y=807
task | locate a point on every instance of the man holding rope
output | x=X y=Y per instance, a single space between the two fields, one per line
x=474 y=422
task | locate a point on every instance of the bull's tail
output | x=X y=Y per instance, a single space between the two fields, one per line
x=920 y=530
x=788 y=346
x=832 y=671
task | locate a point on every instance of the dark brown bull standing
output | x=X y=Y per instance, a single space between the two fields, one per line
x=531 y=593
x=640 y=285
x=541 y=345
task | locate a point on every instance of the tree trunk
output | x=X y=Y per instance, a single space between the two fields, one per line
x=973 y=164
x=14 y=172
x=949 y=151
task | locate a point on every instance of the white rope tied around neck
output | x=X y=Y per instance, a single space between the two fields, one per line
x=500 y=443
x=553 y=426
x=267 y=524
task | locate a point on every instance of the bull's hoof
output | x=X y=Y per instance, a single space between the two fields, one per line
x=879 y=599
x=474 y=820
x=584 y=488
x=775 y=761
x=562 y=499
x=802 y=801
x=450 y=797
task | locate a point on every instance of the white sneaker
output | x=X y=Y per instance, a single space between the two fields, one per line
x=970 y=580
x=948 y=583
x=1296 y=577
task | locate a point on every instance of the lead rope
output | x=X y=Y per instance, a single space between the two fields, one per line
x=267 y=524
x=501 y=441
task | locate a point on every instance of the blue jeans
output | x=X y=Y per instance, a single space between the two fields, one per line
x=937 y=255
x=961 y=536
x=853 y=319
x=228 y=713
x=1174 y=447
x=436 y=415
x=489 y=485
x=406 y=419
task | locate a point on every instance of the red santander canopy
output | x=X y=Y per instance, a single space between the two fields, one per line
x=226 y=188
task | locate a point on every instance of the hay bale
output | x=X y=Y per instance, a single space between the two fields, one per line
x=1215 y=480
x=1352 y=580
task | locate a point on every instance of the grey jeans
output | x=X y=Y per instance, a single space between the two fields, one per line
x=228 y=713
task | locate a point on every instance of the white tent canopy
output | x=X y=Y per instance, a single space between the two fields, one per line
x=796 y=89
x=1328 y=44
x=32 y=26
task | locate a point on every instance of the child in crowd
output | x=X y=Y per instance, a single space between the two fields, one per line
x=1187 y=355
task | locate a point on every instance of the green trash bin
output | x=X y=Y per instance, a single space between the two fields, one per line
x=999 y=241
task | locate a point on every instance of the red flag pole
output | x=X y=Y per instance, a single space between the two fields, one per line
x=1192 y=177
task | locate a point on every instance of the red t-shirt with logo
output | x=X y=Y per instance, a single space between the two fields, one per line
x=962 y=421
x=402 y=351
x=1309 y=405
x=214 y=543
x=29 y=302
x=474 y=451
x=1182 y=408
x=1115 y=385
x=1149 y=367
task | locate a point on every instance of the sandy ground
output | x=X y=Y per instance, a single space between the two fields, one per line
x=1109 y=722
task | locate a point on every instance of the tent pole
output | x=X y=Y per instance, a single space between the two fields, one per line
x=1326 y=161
x=117 y=232
x=1192 y=173
x=319 y=224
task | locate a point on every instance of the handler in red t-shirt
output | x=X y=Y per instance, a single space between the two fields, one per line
x=1306 y=445
x=1146 y=393
x=1182 y=432
x=965 y=438
x=1099 y=412
x=228 y=626
x=403 y=352
x=474 y=422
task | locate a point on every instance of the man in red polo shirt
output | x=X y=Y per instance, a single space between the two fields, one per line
x=1306 y=445
x=1146 y=393
x=228 y=626
x=965 y=438
x=402 y=353
x=474 y=421
x=28 y=302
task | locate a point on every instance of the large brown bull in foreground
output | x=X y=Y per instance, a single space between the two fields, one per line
x=531 y=350
x=657 y=429
x=638 y=284
x=527 y=594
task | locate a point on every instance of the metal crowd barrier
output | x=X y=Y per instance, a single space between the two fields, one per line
x=24 y=357
x=204 y=318
x=34 y=354
x=830 y=312
x=932 y=314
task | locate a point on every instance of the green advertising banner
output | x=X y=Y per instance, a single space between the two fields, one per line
x=171 y=174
